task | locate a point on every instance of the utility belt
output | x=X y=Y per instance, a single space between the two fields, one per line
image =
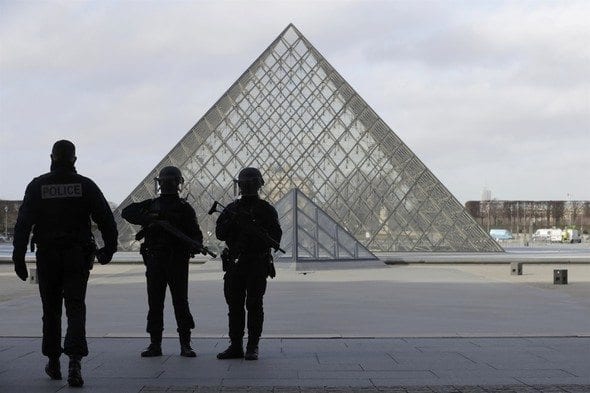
x=62 y=240
x=255 y=256
x=161 y=251
x=65 y=242
x=230 y=260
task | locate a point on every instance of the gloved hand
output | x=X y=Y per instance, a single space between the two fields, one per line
x=104 y=255
x=197 y=250
x=20 y=267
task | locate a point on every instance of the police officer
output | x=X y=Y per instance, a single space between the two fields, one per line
x=245 y=281
x=58 y=207
x=166 y=257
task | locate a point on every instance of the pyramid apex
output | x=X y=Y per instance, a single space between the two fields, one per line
x=289 y=31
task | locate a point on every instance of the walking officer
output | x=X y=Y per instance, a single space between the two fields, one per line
x=240 y=225
x=58 y=207
x=166 y=256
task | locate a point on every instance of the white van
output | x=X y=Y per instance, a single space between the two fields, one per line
x=542 y=235
x=556 y=235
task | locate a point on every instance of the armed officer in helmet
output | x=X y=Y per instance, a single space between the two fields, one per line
x=245 y=280
x=58 y=207
x=166 y=257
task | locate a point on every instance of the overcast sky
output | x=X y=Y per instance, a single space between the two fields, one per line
x=486 y=93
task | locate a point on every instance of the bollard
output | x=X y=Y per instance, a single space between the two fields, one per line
x=560 y=276
x=516 y=268
x=33 y=276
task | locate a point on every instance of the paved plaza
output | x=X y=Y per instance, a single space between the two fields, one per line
x=398 y=328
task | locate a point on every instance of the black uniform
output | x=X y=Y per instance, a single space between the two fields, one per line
x=166 y=257
x=58 y=207
x=245 y=283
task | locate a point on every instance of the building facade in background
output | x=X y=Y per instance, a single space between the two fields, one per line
x=528 y=216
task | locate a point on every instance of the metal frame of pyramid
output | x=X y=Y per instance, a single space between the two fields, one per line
x=311 y=235
x=294 y=117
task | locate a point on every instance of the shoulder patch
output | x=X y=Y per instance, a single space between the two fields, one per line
x=72 y=190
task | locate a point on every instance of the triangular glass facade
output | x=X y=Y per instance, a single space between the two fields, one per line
x=310 y=234
x=294 y=117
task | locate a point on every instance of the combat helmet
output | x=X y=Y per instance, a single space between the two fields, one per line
x=249 y=181
x=170 y=180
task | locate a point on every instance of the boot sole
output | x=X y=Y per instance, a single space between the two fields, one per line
x=76 y=384
x=229 y=357
x=55 y=377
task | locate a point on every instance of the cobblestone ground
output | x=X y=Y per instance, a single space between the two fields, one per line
x=377 y=389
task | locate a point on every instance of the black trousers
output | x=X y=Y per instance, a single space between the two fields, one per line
x=63 y=276
x=245 y=285
x=167 y=269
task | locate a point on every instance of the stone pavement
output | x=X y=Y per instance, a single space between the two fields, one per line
x=555 y=364
x=427 y=328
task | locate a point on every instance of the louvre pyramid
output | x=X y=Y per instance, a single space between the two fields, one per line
x=294 y=117
x=310 y=234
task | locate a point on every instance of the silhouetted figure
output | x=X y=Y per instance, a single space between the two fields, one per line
x=250 y=260
x=166 y=257
x=58 y=207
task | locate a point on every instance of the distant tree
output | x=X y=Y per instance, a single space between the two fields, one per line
x=495 y=212
x=508 y=213
x=586 y=213
x=474 y=208
x=558 y=213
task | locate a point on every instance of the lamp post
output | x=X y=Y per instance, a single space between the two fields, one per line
x=571 y=208
x=5 y=221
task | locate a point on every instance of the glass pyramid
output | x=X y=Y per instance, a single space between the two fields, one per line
x=294 y=117
x=309 y=234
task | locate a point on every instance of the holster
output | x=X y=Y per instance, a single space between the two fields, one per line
x=32 y=244
x=271 y=271
x=228 y=261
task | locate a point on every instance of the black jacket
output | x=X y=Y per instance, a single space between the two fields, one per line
x=58 y=207
x=169 y=208
x=255 y=211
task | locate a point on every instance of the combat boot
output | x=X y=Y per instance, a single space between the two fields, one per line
x=75 y=373
x=53 y=368
x=185 y=345
x=155 y=347
x=234 y=351
x=251 y=349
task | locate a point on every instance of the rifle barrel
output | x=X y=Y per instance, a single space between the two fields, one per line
x=180 y=235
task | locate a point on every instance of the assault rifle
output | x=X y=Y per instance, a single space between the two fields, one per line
x=253 y=227
x=172 y=230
